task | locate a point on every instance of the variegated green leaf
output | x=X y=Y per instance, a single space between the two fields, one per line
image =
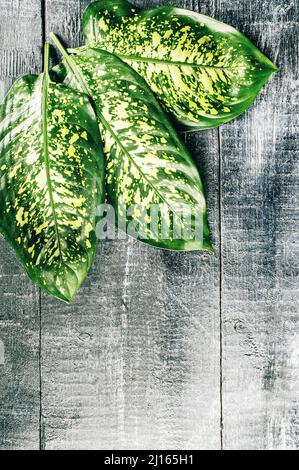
x=204 y=72
x=51 y=180
x=148 y=169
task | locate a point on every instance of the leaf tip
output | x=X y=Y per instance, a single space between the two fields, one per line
x=273 y=67
x=65 y=293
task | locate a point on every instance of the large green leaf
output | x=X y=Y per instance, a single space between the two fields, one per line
x=148 y=169
x=51 y=180
x=204 y=72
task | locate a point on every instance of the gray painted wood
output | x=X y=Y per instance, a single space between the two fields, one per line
x=260 y=253
x=20 y=53
x=134 y=362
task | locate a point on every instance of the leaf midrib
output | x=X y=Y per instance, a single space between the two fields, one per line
x=45 y=93
x=155 y=60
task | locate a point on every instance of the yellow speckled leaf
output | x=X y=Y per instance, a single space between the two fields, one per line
x=51 y=180
x=204 y=72
x=151 y=179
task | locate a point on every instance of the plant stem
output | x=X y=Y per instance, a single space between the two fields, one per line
x=70 y=64
x=46 y=58
x=58 y=44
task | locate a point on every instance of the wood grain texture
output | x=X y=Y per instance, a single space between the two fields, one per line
x=134 y=361
x=20 y=52
x=260 y=243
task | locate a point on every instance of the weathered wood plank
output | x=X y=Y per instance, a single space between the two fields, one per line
x=134 y=361
x=20 y=39
x=259 y=233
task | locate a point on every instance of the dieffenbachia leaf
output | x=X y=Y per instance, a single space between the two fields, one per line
x=51 y=180
x=148 y=169
x=204 y=72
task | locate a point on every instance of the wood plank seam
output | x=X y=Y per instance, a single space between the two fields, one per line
x=217 y=9
x=220 y=291
x=41 y=425
x=42 y=445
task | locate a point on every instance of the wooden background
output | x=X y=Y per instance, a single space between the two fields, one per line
x=165 y=350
